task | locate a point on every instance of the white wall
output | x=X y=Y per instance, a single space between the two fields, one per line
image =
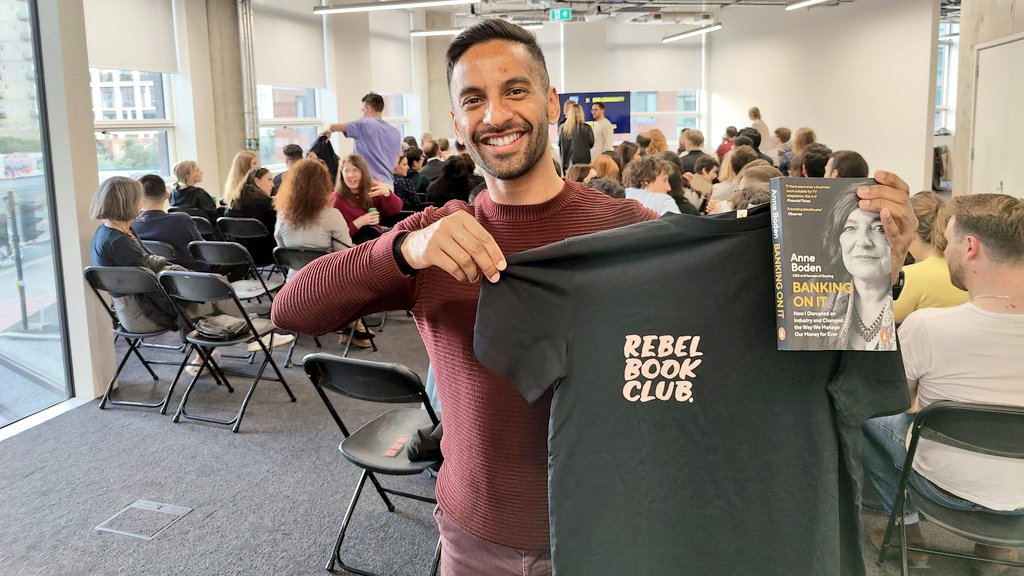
x=638 y=61
x=859 y=74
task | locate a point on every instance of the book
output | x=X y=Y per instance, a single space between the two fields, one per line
x=832 y=263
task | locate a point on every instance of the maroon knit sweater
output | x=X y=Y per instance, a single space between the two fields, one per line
x=494 y=480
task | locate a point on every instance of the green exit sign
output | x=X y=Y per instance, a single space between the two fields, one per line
x=560 y=14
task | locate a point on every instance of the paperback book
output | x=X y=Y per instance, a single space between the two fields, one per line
x=832 y=262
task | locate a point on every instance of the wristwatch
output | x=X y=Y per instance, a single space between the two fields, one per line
x=897 y=288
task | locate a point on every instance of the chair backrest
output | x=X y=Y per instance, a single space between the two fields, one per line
x=196 y=286
x=241 y=228
x=161 y=249
x=206 y=230
x=196 y=212
x=122 y=279
x=296 y=258
x=220 y=253
x=984 y=428
x=365 y=380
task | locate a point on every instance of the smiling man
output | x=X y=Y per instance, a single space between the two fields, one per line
x=492 y=489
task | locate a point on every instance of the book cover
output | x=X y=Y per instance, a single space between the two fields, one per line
x=832 y=262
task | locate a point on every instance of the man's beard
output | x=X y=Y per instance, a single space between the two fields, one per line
x=956 y=273
x=513 y=167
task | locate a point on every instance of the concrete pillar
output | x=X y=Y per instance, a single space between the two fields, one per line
x=225 y=70
x=438 y=105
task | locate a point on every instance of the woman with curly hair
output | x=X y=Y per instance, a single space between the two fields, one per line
x=306 y=216
x=360 y=199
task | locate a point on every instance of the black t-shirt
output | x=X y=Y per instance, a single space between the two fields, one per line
x=736 y=457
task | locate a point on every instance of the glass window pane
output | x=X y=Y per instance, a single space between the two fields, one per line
x=394 y=105
x=687 y=101
x=283 y=102
x=32 y=352
x=142 y=95
x=133 y=153
x=274 y=138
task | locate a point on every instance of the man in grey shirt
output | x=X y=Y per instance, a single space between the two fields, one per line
x=602 y=131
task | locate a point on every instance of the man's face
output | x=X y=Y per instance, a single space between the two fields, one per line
x=501 y=108
x=660 y=184
x=710 y=175
x=955 y=255
x=596 y=112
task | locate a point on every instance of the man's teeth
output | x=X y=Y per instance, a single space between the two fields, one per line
x=504 y=141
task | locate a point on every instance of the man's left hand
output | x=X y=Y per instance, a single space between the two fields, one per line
x=891 y=197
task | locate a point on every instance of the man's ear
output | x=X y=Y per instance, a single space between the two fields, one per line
x=455 y=127
x=803 y=170
x=554 y=111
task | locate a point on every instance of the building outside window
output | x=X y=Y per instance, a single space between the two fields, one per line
x=287 y=115
x=134 y=127
x=945 y=76
x=668 y=111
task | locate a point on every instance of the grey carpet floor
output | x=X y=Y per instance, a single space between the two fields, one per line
x=265 y=501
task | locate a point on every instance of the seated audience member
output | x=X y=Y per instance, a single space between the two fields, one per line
x=682 y=142
x=658 y=142
x=414 y=156
x=306 y=213
x=726 y=145
x=678 y=189
x=756 y=140
x=752 y=185
x=244 y=162
x=646 y=181
x=627 y=152
x=985 y=252
x=815 y=159
x=118 y=201
x=433 y=164
x=694 y=144
x=453 y=184
x=475 y=179
x=356 y=193
x=605 y=166
x=410 y=141
x=187 y=196
x=796 y=166
x=405 y=187
x=739 y=156
x=846 y=164
x=252 y=200
x=580 y=173
x=642 y=142
x=292 y=154
x=609 y=186
x=783 y=147
x=702 y=181
x=926 y=281
x=154 y=223
x=442 y=149
x=707 y=168
x=725 y=173
x=802 y=138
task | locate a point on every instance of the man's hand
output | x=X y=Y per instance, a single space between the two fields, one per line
x=891 y=197
x=458 y=244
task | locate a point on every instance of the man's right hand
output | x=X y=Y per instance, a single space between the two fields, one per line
x=458 y=244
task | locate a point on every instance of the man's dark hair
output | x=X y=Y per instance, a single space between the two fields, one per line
x=754 y=136
x=742 y=141
x=731 y=132
x=815 y=158
x=608 y=186
x=741 y=156
x=704 y=163
x=430 y=149
x=784 y=134
x=849 y=164
x=643 y=141
x=411 y=141
x=293 y=152
x=375 y=101
x=495 y=29
x=153 y=187
x=599 y=105
x=413 y=155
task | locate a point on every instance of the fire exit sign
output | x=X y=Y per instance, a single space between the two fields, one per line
x=560 y=14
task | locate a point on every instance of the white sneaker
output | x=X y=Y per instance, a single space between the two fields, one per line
x=193 y=367
x=278 y=340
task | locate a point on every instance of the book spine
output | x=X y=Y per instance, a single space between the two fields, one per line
x=777 y=212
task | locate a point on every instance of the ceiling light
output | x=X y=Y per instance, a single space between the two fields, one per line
x=377 y=6
x=691 y=33
x=804 y=4
x=422 y=33
x=533 y=26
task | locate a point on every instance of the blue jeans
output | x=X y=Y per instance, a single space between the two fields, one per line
x=885 y=451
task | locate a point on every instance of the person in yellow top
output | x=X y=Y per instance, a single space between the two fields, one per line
x=927 y=280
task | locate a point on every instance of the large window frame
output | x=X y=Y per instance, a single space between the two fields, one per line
x=945 y=80
x=111 y=115
x=641 y=118
x=270 y=123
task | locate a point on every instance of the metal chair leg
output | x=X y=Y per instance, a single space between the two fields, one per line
x=336 y=552
x=437 y=559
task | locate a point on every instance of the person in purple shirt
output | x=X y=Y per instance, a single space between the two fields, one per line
x=377 y=141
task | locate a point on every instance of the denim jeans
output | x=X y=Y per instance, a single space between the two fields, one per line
x=885 y=451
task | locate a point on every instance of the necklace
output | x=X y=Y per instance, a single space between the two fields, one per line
x=868 y=333
x=997 y=297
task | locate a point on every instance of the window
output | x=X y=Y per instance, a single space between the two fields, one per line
x=945 y=76
x=288 y=115
x=668 y=111
x=134 y=128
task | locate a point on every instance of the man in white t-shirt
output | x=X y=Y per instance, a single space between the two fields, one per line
x=603 y=131
x=646 y=181
x=970 y=353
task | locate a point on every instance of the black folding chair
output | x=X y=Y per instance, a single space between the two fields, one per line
x=982 y=428
x=295 y=259
x=128 y=281
x=252 y=234
x=379 y=446
x=161 y=249
x=198 y=287
x=234 y=255
x=206 y=230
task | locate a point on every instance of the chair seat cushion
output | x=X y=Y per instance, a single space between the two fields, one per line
x=380 y=445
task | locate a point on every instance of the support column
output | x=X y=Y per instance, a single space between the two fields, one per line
x=438 y=105
x=225 y=70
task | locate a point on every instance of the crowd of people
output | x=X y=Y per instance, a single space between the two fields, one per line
x=504 y=175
